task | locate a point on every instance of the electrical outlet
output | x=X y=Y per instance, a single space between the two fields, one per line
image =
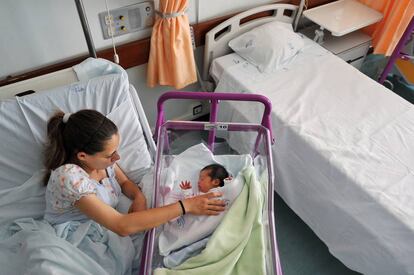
x=109 y=19
x=197 y=109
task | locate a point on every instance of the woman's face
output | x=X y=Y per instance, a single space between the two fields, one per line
x=205 y=183
x=105 y=158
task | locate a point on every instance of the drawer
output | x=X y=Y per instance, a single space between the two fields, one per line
x=355 y=54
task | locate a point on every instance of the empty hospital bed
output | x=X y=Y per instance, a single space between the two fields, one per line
x=344 y=151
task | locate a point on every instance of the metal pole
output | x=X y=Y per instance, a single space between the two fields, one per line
x=298 y=15
x=85 y=27
x=397 y=51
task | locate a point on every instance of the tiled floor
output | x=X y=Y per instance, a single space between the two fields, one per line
x=301 y=251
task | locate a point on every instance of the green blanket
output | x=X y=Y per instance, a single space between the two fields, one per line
x=237 y=246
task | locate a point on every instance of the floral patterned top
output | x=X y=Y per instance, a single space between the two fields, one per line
x=68 y=183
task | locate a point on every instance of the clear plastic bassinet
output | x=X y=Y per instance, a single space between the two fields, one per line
x=174 y=137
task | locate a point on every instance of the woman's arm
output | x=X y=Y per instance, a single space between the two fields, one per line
x=126 y=224
x=131 y=190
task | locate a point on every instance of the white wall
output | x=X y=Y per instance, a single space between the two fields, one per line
x=43 y=32
x=209 y=9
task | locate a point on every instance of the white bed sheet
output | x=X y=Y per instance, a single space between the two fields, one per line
x=219 y=65
x=344 y=154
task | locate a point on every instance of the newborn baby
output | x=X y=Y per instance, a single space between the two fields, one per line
x=211 y=176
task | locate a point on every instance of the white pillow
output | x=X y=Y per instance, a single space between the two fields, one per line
x=135 y=158
x=20 y=154
x=108 y=94
x=269 y=46
x=186 y=166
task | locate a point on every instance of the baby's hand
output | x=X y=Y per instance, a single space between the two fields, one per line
x=185 y=185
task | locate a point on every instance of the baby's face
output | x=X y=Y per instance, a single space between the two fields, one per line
x=205 y=183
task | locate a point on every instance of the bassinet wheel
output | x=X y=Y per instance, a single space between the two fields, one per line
x=388 y=84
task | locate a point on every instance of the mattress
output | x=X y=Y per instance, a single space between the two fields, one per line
x=220 y=64
x=344 y=153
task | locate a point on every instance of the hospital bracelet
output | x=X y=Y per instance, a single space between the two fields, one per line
x=182 y=207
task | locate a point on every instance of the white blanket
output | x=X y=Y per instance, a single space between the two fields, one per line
x=29 y=246
x=186 y=166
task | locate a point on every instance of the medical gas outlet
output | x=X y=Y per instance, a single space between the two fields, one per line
x=127 y=19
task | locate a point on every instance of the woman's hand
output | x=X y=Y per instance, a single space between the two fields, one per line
x=185 y=185
x=138 y=204
x=205 y=204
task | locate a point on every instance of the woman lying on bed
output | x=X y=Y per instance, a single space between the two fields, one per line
x=84 y=182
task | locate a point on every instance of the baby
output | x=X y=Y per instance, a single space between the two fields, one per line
x=210 y=177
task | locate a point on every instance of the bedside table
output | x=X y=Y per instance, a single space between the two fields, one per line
x=343 y=19
x=352 y=47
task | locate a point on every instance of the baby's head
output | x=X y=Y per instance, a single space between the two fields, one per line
x=212 y=176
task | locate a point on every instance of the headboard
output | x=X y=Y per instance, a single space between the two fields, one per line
x=217 y=39
x=43 y=82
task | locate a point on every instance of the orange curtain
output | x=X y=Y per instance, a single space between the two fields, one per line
x=386 y=33
x=171 y=61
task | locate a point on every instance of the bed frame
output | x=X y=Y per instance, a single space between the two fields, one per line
x=217 y=39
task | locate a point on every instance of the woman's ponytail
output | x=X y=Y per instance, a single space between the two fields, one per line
x=55 y=153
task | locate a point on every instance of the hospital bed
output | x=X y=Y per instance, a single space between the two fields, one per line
x=344 y=151
x=28 y=244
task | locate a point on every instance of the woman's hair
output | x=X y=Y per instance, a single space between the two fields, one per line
x=83 y=131
x=216 y=171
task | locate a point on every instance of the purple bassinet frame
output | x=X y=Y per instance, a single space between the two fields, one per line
x=265 y=127
x=397 y=53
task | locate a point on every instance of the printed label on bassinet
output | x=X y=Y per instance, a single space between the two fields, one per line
x=217 y=126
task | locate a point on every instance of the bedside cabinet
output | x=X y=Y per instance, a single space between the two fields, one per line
x=351 y=47
x=340 y=23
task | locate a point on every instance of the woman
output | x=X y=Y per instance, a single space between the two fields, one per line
x=84 y=181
